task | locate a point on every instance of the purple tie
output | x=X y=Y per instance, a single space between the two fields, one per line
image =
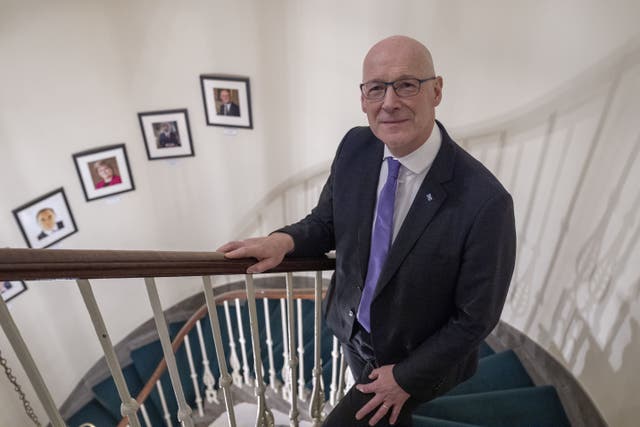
x=380 y=241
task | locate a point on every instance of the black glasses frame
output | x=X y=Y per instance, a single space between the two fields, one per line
x=387 y=84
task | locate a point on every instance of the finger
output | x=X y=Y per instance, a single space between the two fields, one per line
x=395 y=413
x=229 y=246
x=380 y=413
x=369 y=406
x=263 y=265
x=374 y=374
x=240 y=252
x=366 y=388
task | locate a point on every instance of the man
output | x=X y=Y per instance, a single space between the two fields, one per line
x=168 y=136
x=417 y=288
x=228 y=107
x=46 y=219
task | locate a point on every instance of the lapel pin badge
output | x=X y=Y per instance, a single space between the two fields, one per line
x=429 y=197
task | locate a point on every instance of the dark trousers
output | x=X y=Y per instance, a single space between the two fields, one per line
x=360 y=357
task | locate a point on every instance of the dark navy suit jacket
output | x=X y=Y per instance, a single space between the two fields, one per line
x=234 y=110
x=446 y=277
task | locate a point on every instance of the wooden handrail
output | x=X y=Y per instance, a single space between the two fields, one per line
x=46 y=264
x=190 y=324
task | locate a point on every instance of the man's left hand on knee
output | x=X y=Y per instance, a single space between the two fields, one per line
x=388 y=399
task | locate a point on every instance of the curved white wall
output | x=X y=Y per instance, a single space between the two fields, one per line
x=74 y=74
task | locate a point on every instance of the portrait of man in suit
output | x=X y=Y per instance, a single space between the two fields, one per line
x=227 y=106
x=425 y=243
x=48 y=223
x=166 y=134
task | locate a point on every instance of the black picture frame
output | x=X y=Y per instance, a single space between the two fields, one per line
x=237 y=114
x=46 y=220
x=9 y=289
x=166 y=134
x=91 y=163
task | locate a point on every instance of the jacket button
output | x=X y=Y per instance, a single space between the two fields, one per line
x=351 y=313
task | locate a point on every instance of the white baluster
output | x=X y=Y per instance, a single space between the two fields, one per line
x=293 y=361
x=243 y=347
x=145 y=415
x=207 y=377
x=194 y=375
x=163 y=403
x=20 y=348
x=341 y=377
x=265 y=417
x=335 y=368
x=184 y=410
x=302 y=392
x=286 y=378
x=234 y=362
x=225 y=378
x=317 y=395
x=269 y=341
x=129 y=406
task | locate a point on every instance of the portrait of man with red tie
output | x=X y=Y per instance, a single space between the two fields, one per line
x=425 y=244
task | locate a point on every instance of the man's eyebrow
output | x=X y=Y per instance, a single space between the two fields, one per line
x=401 y=77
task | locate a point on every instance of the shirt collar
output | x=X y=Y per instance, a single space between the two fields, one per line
x=422 y=158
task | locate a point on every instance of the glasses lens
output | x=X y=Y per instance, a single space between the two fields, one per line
x=373 y=90
x=407 y=87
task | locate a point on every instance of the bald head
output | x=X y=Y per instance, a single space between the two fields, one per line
x=386 y=51
x=402 y=122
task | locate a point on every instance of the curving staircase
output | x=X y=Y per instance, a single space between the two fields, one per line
x=500 y=394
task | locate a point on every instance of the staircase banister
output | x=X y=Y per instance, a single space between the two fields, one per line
x=47 y=264
x=304 y=293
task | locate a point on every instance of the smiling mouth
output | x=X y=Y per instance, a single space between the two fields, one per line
x=392 y=122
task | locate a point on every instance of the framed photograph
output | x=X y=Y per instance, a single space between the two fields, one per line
x=104 y=171
x=10 y=290
x=227 y=101
x=46 y=220
x=166 y=134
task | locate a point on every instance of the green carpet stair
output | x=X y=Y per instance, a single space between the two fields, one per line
x=499 y=394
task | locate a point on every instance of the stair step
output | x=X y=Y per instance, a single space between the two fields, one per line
x=94 y=413
x=500 y=371
x=533 y=406
x=107 y=394
x=499 y=394
x=145 y=359
x=422 y=421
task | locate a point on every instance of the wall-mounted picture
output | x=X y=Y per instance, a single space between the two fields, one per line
x=104 y=171
x=227 y=101
x=46 y=220
x=166 y=134
x=10 y=290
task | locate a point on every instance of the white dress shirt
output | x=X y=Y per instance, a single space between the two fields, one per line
x=413 y=169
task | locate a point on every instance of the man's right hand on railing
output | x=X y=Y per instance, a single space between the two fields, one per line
x=269 y=250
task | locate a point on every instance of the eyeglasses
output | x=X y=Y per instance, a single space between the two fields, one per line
x=404 y=88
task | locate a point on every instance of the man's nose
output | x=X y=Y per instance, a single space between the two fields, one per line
x=391 y=100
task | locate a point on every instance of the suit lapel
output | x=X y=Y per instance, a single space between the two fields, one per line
x=430 y=197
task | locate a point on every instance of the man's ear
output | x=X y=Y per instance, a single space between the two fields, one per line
x=437 y=89
x=363 y=104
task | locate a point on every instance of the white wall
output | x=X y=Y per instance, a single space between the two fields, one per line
x=74 y=74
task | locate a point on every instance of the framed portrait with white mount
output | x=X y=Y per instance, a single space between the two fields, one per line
x=166 y=134
x=9 y=289
x=104 y=171
x=227 y=100
x=46 y=220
